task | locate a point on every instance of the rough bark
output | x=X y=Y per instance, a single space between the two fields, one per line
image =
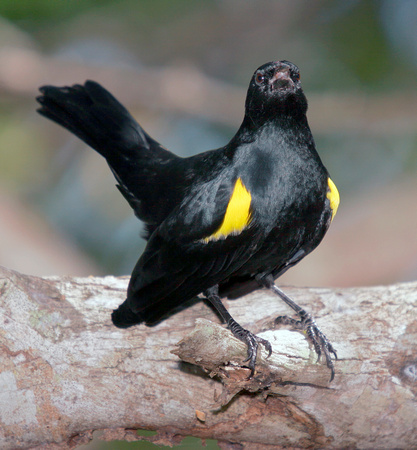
x=66 y=371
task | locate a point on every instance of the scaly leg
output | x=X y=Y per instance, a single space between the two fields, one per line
x=251 y=340
x=306 y=323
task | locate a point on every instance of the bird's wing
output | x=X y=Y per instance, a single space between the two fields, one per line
x=205 y=239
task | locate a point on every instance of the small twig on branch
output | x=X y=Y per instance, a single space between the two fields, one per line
x=220 y=354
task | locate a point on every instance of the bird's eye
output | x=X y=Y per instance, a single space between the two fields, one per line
x=259 y=78
x=296 y=76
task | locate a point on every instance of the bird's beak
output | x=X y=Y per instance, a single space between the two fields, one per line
x=282 y=79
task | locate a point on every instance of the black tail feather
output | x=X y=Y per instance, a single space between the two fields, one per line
x=124 y=317
x=138 y=162
x=91 y=113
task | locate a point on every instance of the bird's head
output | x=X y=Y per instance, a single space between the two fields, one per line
x=274 y=91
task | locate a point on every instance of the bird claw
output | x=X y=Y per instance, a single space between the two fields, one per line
x=319 y=340
x=252 y=341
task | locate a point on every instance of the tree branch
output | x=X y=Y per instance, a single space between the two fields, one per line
x=66 y=371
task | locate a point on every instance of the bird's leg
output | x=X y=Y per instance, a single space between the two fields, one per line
x=306 y=323
x=238 y=331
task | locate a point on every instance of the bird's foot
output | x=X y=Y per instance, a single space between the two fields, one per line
x=319 y=340
x=252 y=341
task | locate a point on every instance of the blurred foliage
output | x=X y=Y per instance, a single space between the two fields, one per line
x=188 y=443
x=343 y=46
x=371 y=59
x=33 y=11
x=349 y=31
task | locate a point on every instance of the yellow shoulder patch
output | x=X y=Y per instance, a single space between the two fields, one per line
x=333 y=196
x=238 y=215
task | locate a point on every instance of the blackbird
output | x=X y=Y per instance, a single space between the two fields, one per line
x=240 y=214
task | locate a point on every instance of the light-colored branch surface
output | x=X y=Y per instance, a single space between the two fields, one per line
x=66 y=371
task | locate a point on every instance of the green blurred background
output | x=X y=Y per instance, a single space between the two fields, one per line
x=182 y=68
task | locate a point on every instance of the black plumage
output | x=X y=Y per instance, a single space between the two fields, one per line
x=247 y=211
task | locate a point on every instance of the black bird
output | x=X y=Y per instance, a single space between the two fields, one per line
x=241 y=213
